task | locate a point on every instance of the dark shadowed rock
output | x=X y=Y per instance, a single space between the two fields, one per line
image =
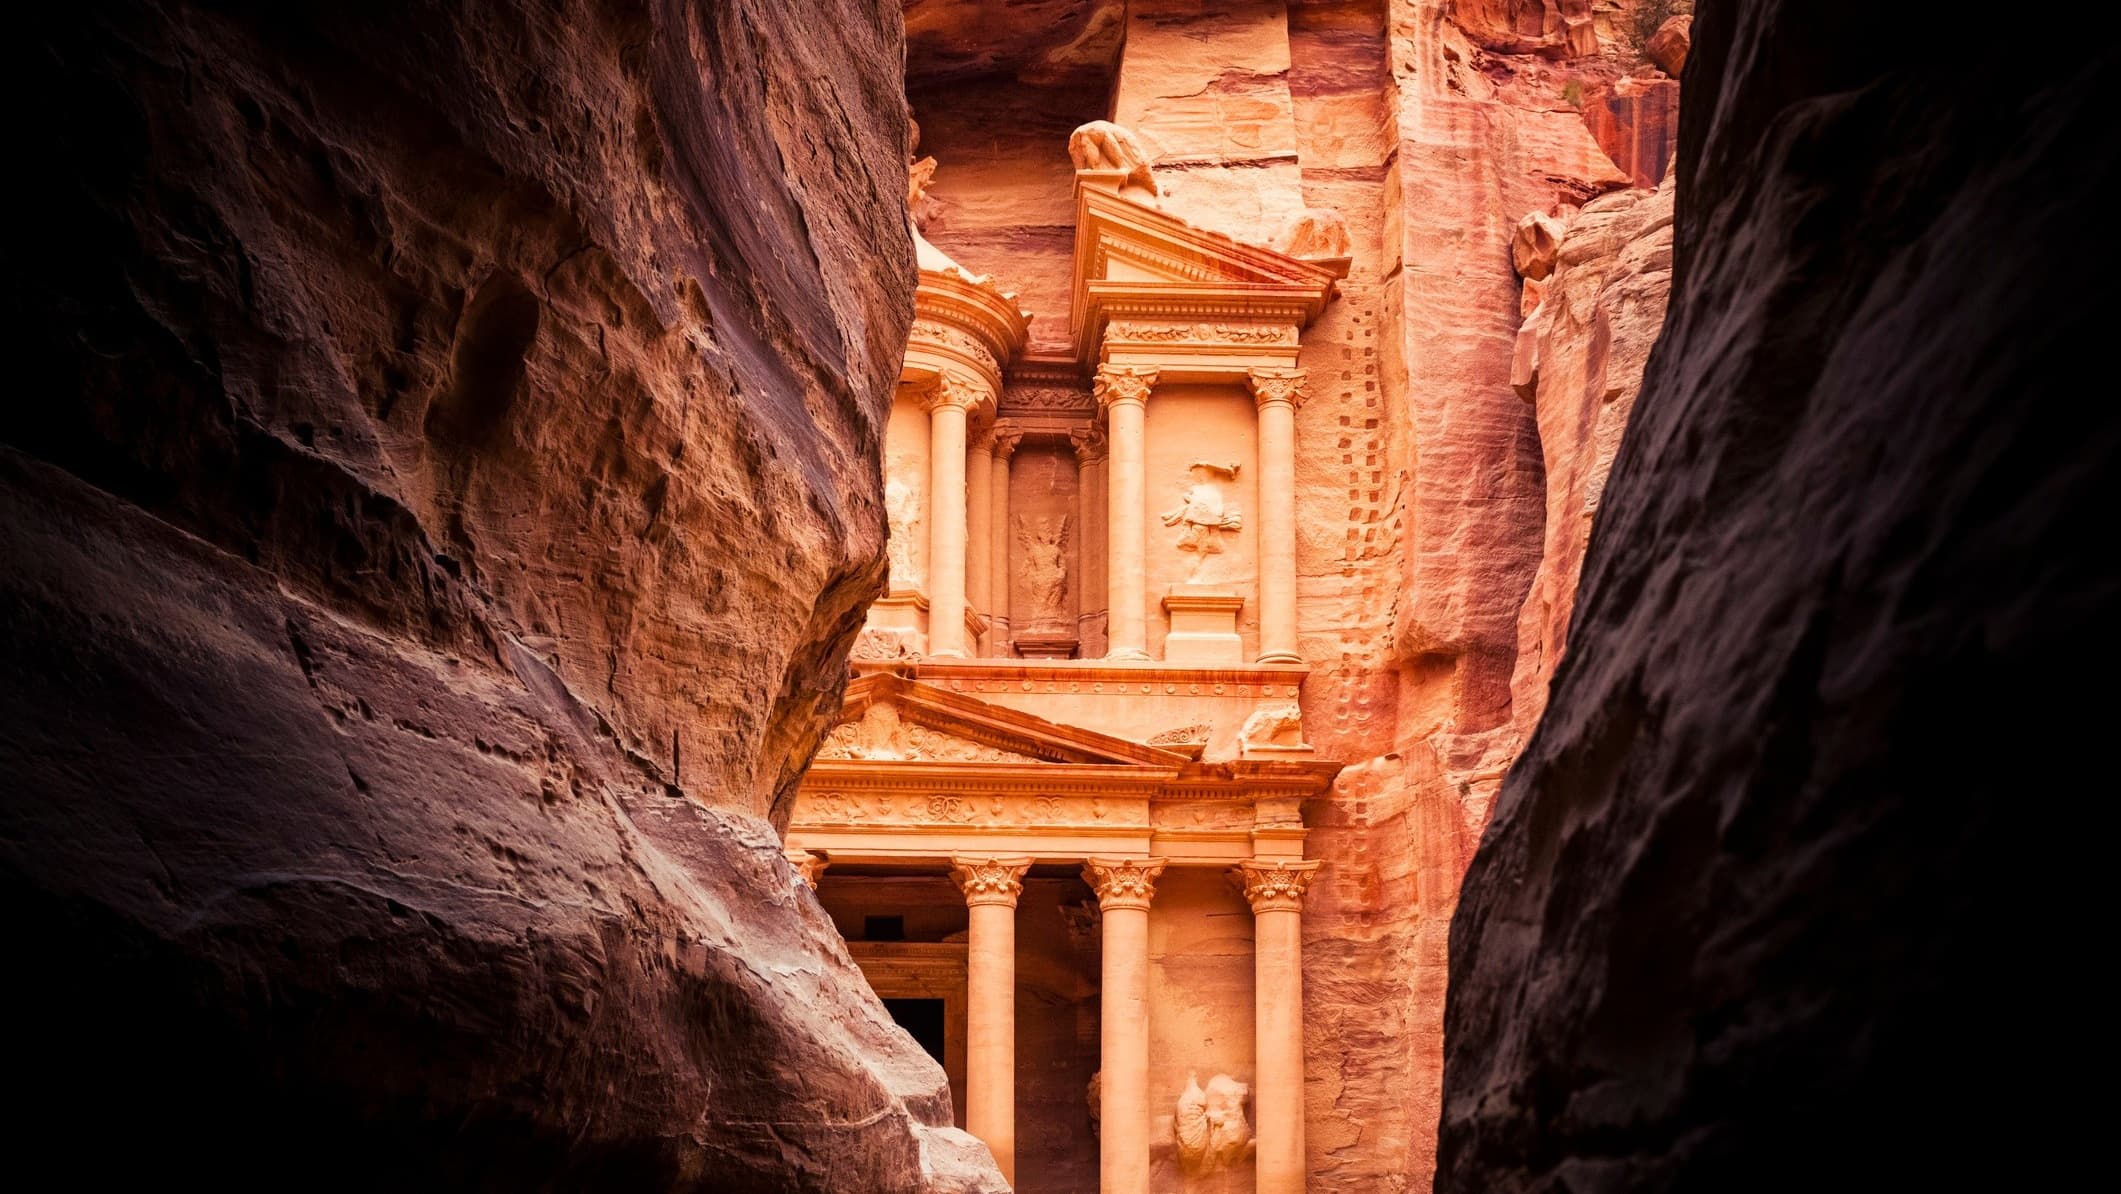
x=439 y=489
x=1773 y=897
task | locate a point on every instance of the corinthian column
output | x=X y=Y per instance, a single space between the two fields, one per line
x=1123 y=391
x=1090 y=528
x=979 y=528
x=1006 y=435
x=1278 y=392
x=1276 y=889
x=1124 y=888
x=948 y=406
x=991 y=886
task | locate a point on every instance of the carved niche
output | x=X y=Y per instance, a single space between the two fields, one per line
x=1043 y=540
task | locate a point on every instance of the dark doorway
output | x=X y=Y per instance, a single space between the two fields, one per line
x=924 y=1019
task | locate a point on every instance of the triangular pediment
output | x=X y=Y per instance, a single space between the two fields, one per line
x=890 y=719
x=1121 y=240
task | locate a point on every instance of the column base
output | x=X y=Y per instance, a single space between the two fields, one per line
x=1128 y=655
x=1281 y=657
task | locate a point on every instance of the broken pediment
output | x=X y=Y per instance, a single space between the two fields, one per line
x=888 y=718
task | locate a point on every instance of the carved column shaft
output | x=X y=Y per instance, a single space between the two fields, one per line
x=1276 y=888
x=948 y=409
x=1124 y=393
x=1124 y=887
x=991 y=886
x=1091 y=543
x=1005 y=439
x=979 y=524
x=1278 y=392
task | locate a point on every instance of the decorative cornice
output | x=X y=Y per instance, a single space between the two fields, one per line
x=989 y=880
x=1278 y=385
x=1123 y=383
x=1274 y=885
x=1123 y=882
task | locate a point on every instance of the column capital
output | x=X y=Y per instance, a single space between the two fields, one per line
x=989 y=880
x=807 y=866
x=1274 y=884
x=1123 y=383
x=1089 y=443
x=952 y=388
x=1006 y=434
x=1277 y=385
x=1123 y=882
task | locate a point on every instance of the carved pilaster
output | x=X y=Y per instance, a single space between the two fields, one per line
x=1123 y=882
x=989 y=880
x=1274 y=885
x=808 y=866
x=1089 y=442
x=1277 y=385
x=1123 y=383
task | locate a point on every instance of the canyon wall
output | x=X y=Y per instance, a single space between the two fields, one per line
x=440 y=491
x=1769 y=901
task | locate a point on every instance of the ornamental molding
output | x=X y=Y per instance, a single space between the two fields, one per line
x=1201 y=333
x=1123 y=882
x=1274 y=885
x=1278 y=385
x=1123 y=383
x=990 y=880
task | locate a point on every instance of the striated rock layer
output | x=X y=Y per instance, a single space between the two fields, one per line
x=1764 y=904
x=439 y=492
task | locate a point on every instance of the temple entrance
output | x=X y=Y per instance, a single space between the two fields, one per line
x=923 y=1021
x=908 y=931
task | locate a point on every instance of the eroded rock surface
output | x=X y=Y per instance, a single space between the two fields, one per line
x=1735 y=923
x=439 y=492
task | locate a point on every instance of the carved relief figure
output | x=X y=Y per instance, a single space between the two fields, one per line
x=1280 y=725
x=1314 y=233
x=902 y=510
x=1205 y=515
x=1044 y=543
x=1210 y=1125
x=1103 y=145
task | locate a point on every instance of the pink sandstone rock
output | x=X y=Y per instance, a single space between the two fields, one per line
x=1668 y=46
x=1735 y=923
x=1533 y=248
x=442 y=495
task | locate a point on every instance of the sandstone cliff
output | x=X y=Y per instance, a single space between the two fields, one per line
x=1752 y=907
x=440 y=488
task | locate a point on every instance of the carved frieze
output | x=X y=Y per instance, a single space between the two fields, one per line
x=1201 y=333
x=1048 y=400
x=916 y=809
x=934 y=331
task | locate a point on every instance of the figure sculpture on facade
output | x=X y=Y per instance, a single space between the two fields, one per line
x=1210 y=1125
x=1103 y=145
x=902 y=514
x=1205 y=515
x=1044 y=542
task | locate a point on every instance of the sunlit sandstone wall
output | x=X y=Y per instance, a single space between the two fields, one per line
x=1423 y=476
x=438 y=490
